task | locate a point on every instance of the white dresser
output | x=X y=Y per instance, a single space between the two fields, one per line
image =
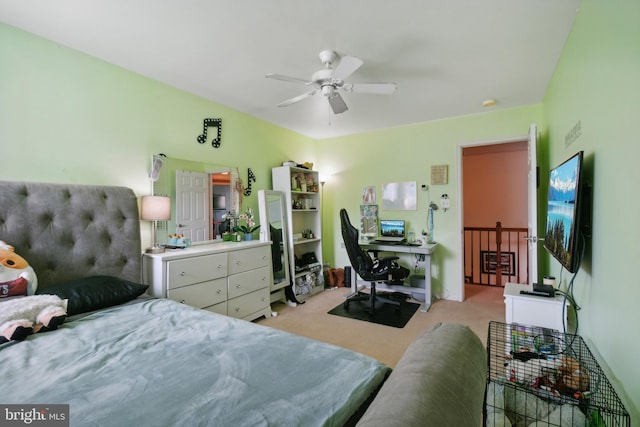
x=230 y=278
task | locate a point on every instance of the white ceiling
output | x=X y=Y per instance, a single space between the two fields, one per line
x=446 y=56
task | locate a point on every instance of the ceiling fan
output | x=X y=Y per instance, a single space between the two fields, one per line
x=328 y=80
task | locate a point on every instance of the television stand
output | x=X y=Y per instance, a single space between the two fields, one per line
x=533 y=310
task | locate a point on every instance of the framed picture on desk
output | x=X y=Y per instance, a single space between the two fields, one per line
x=369 y=220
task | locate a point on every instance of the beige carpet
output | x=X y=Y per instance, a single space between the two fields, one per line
x=384 y=343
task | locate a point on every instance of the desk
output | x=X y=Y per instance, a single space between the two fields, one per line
x=534 y=310
x=425 y=250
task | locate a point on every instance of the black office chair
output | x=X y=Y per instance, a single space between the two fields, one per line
x=373 y=270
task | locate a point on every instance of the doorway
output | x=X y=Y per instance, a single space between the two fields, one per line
x=494 y=184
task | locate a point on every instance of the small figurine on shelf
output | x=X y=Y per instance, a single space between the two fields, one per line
x=303 y=183
x=310 y=184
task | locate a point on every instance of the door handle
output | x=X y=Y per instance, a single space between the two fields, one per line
x=533 y=239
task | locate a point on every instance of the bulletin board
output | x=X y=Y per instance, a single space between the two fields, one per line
x=399 y=196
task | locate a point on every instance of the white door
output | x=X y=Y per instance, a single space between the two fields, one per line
x=192 y=205
x=532 y=222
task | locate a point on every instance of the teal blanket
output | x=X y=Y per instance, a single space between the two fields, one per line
x=160 y=363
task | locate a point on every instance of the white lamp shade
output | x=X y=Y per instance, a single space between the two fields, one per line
x=155 y=208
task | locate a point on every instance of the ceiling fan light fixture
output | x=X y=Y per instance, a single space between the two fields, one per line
x=488 y=102
x=327 y=90
x=337 y=104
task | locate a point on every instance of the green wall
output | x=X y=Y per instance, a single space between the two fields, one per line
x=68 y=117
x=407 y=154
x=597 y=83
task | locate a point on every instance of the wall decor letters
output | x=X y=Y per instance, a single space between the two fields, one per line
x=250 y=177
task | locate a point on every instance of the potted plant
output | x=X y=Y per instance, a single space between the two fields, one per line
x=246 y=224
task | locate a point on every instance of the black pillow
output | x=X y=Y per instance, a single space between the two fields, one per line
x=94 y=293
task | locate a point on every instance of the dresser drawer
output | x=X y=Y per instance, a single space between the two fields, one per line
x=248 y=259
x=202 y=294
x=187 y=271
x=218 y=308
x=249 y=281
x=250 y=303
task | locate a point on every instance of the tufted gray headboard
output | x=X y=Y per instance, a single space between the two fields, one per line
x=71 y=231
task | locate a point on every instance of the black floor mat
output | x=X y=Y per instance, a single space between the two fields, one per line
x=385 y=314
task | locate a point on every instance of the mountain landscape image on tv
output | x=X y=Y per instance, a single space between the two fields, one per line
x=562 y=212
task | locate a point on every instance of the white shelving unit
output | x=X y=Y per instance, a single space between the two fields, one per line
x=302 y=200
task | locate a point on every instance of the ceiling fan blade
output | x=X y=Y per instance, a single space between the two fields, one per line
x=286 y=78
x=347 y=66
x=374 y=88
x=337 y=103
x=297 y=98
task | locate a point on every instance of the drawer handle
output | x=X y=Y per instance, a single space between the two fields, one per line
x=182 y=301
x=219 y=266
x=182 y=273
x=219 y=291
x=237 y=309
x=238 y=286
x=237 y=262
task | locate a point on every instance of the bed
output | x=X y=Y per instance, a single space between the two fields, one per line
x=127 y=359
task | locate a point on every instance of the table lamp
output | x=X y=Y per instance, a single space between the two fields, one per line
x=155 y=208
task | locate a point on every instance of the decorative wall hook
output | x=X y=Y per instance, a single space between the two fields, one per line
x=206 y=124
x=250 y=177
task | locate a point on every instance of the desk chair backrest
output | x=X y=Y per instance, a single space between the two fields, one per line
x=360 y=260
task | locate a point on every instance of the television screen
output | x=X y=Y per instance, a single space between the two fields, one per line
x=564 y=206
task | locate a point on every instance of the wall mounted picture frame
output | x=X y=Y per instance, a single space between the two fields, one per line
x=368 y=194
x=489 y=264
x=439 y=174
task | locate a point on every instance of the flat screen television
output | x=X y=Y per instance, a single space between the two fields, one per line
x=567 y=212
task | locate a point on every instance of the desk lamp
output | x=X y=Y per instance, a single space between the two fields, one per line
x=155 y=208
x=432 y=207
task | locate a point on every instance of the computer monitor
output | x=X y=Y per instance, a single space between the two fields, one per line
x=392 y=228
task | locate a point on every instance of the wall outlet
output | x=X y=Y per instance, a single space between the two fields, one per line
x=445 y=203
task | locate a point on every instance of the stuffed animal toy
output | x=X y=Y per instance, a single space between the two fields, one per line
x=20 y=317
x=17 y=278
x=573 y=378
